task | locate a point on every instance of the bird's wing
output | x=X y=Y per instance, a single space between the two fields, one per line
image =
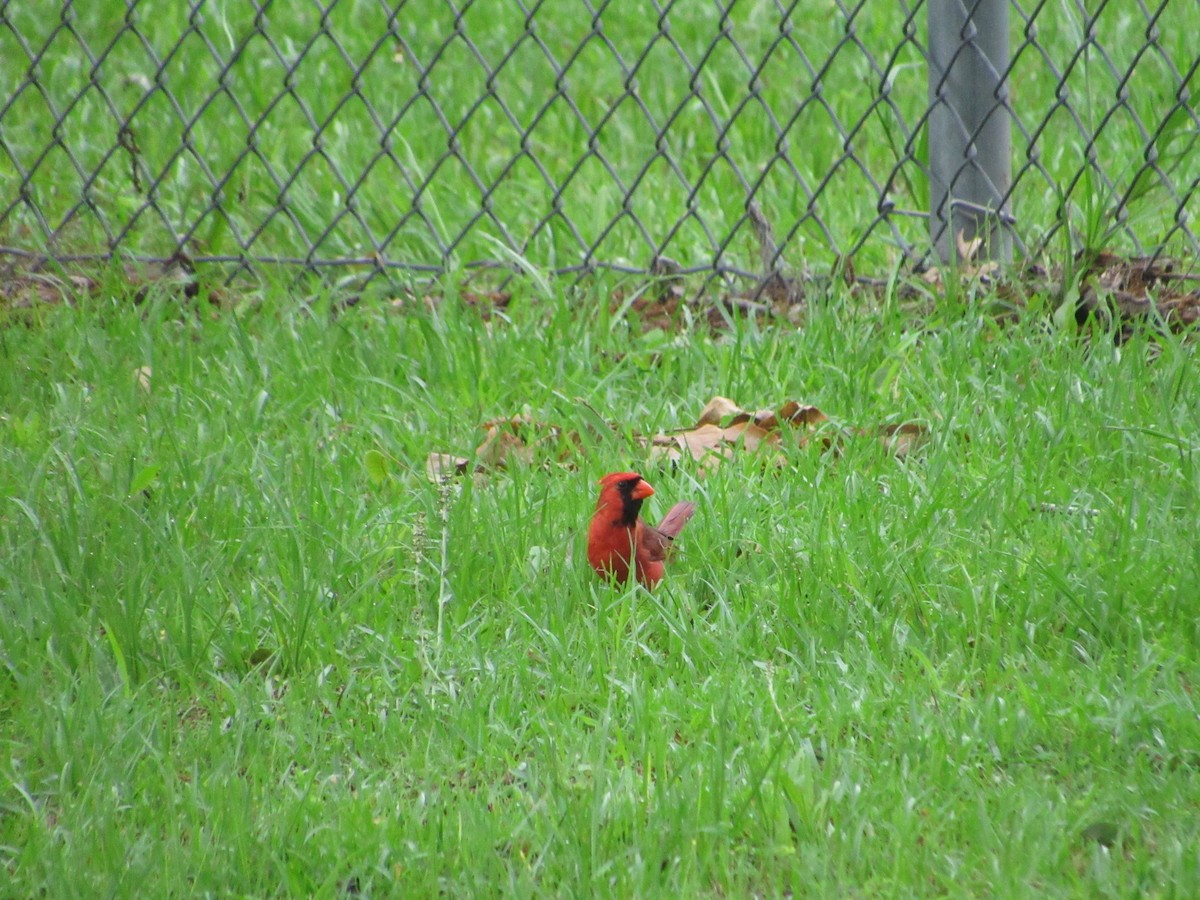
x=655 y=543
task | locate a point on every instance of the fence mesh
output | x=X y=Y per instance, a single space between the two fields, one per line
x=569 y=135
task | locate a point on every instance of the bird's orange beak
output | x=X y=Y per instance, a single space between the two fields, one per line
x=641 y=491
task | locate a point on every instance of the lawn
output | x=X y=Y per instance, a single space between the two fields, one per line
x=248 y=648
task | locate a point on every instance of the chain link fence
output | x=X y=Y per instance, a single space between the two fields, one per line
x=571 y=136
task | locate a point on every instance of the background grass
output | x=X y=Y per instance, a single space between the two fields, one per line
x=435 y=135
x=247 y=648
x=236 y=660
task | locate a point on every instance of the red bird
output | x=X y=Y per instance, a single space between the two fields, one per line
x=617 y=534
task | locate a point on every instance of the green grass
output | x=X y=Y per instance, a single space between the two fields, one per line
x=322 y=135
x=234 y=660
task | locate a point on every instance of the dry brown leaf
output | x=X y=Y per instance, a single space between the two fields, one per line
x=666 y=451
x=502 y=448
x=795 y=414
x=696 y=443
x=964 y=268
x=514 y=441
x=767 y=419
x=709 y=444
x=1181 y=312
x=749 y=435
x=904 y=438
x=724 y=428
x=717 y=409
x=967 y=249
x=443 y=466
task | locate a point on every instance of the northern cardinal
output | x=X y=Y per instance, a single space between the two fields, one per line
x=617 y=533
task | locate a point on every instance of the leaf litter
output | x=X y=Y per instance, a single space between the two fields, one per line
x=1157 y=291
x=722 y=431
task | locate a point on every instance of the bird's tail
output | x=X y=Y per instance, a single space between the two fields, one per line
x=677 y=516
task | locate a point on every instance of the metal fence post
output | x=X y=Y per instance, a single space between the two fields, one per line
x=970 y=134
